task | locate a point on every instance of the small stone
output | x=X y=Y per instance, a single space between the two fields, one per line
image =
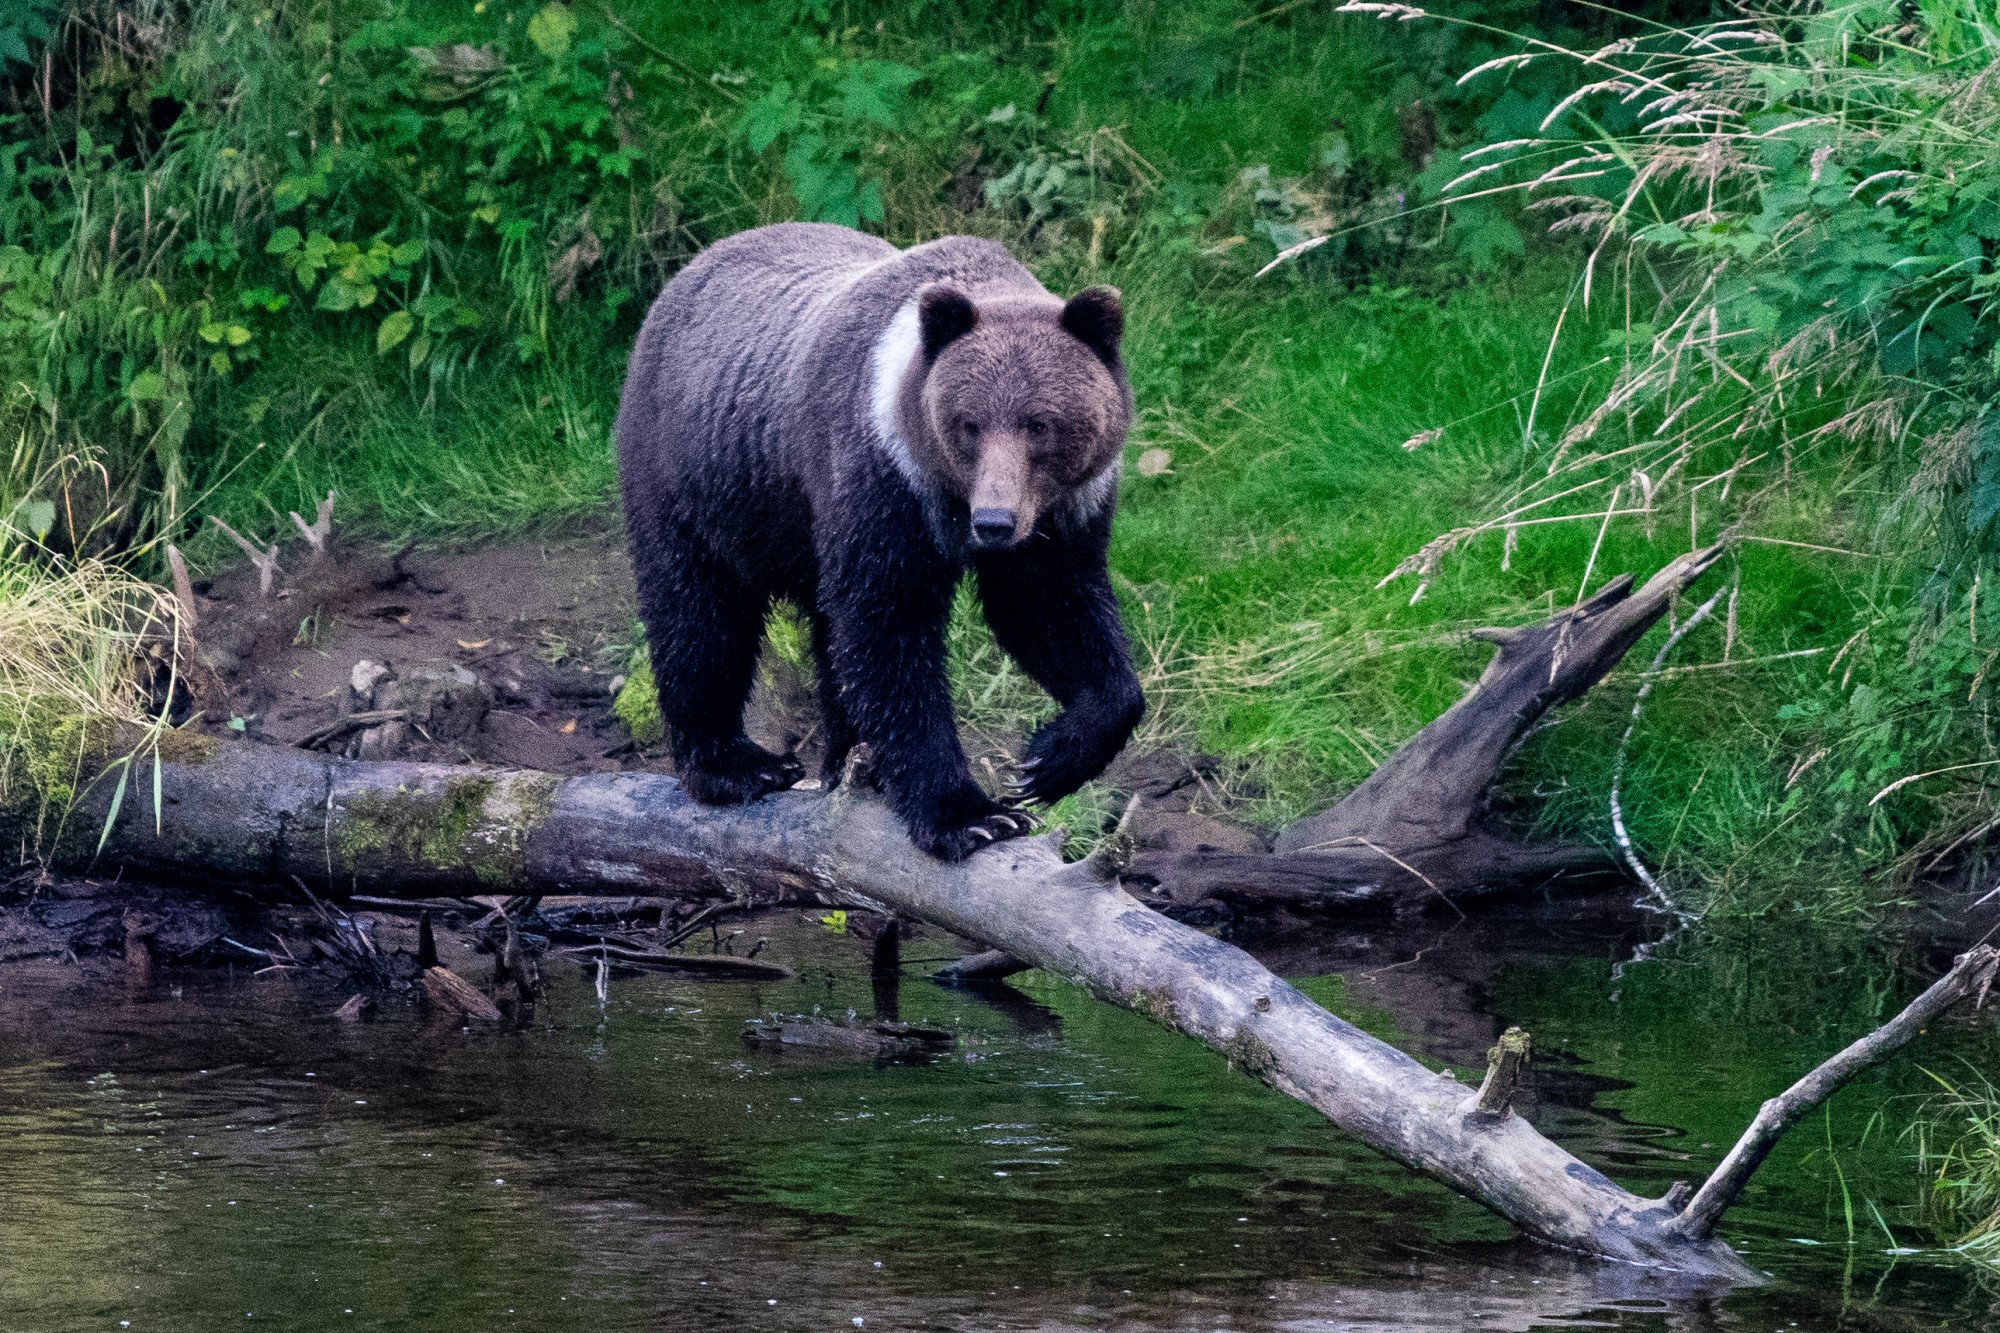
x=1155 y=463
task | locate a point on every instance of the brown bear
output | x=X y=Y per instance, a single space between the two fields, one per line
x=812 y=414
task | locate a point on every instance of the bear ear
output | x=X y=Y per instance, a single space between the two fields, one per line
x=1095 y=316
x=944 y=315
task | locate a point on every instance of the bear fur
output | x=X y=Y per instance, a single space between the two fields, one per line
x=812 y=414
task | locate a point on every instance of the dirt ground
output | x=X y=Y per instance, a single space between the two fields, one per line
x=545 y=631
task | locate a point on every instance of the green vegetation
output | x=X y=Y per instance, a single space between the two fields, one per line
x=249 y=253
x=1958 y=1151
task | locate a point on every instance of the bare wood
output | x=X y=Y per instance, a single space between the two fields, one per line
x=264 y=561
x=992 y=965
x=1503 y=1072
x=712 y=964
x=320 y=531
x=183 y=587
x=454 y=994
x=353 y=722
x=1971 y=975
x=248 y=812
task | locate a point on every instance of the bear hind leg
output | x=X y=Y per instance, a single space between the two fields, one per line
x=703 y=630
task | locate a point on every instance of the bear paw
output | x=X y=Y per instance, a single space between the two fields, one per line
x=956 y=841
x=1070 y=751
x=739 y=774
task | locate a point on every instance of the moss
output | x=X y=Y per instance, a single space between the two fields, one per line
x=444 y=838
x=459 y=828
x=638 y=706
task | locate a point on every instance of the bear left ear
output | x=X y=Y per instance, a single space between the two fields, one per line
x=1095 y=316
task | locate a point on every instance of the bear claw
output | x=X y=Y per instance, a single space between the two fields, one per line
x=741 y=774
x=955 y=844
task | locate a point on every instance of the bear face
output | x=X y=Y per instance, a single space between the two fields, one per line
x=1016 y=406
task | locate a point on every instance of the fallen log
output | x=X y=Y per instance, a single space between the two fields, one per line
x=250 y=813
x=1418 y=830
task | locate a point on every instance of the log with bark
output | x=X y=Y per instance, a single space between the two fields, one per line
x=238 y=811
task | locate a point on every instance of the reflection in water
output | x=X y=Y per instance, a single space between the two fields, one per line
x=227 y=1152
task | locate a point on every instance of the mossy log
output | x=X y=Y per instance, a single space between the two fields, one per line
x=256 y=814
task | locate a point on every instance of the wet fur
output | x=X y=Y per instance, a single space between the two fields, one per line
x=769 y=448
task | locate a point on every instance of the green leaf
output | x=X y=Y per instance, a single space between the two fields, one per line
x=219 y=362
x=420 y=349
x=409 y=252
x=124 y=763
x=551 y=29
x=237 y=335
x=147 y=386
x=212 y=333
x=394 y=329
x=283 y=241
x=41 y=516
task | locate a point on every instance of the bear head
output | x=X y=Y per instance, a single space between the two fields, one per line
x=1016 y=405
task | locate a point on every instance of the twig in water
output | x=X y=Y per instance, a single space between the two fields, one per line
x=1971 y=976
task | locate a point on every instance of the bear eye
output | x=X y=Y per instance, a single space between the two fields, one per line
x=969 y=428
x=1037 y=429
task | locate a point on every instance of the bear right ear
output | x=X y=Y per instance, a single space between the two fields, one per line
x=944 y=315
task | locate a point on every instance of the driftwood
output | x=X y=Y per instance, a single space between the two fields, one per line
x=1417 y=830
x=1971 y=977
x=251 y=814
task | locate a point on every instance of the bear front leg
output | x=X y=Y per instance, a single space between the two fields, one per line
x=886 y=646
x=1050 y=606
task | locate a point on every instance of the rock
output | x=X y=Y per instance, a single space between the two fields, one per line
x=367 y=675
x=386 y=741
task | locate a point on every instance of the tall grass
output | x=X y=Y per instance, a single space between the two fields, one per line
x=82 y=643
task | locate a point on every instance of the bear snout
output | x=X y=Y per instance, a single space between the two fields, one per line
x=992 y=529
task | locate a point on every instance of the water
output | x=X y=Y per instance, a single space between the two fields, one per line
x=216 y=1151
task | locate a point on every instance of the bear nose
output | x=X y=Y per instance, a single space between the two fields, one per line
x=992 y=528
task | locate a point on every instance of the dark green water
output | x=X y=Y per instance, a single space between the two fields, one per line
x=216 y=1152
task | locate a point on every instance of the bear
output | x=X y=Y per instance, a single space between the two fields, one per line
x=812 y=414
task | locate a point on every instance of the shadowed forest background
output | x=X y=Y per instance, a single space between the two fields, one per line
x=1438 y=318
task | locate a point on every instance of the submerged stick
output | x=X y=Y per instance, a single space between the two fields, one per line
x=1972 y=974
x=249 y=812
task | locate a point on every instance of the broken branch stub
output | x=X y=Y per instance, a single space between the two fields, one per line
x=1503 y=1072
x=320 y=531
x=265 y=562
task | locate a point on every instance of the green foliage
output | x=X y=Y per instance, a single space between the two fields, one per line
x=827 y=123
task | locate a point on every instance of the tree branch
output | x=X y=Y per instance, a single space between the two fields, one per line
x=1972 y=974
